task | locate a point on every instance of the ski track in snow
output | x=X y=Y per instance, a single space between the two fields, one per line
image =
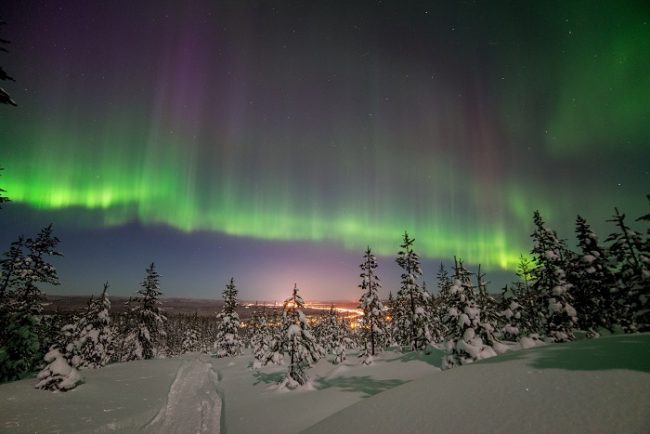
x=193 y=405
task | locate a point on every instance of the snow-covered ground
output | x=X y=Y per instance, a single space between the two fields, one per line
x=600 y=385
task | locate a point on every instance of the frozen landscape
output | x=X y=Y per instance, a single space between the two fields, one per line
x=324 y=217
x=600 y=385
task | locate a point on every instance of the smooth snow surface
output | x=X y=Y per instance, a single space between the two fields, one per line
x=590 y=386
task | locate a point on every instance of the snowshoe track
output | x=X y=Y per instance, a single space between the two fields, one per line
x=193 y=405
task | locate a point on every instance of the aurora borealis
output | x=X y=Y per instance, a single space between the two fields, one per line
x=279 y=128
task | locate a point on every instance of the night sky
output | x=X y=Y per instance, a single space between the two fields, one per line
x=273 y=141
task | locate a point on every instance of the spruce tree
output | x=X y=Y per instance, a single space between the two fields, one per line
x=391 y=323
x=261 y=335
x=489 y=310
x=510 y=312
x=144 y=340
x=343 y=341
x=327 y=331
x=13 y=259
x=410 y=310
x=24 y=268
x=373 y=325
x=95 y=333
x=632 y=272
x=532 y=318
x=191 y=342
x=296 y=342
x=592 y=281
x=3 y=198
x=441 y=307
x=552 y=260
x=463 y=322
x=228 y=343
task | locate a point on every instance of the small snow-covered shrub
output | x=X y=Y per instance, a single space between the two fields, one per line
x=58 y=374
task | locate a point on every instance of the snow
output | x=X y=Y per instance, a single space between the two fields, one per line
x=598 y=385
x=593 y=386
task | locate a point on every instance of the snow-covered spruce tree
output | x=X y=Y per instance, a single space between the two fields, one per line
x=510 y=312
x=410 y=313
x=296 y=341
x=519 y=310
x=144 y=339
x=261 y=335
x=95 y=334
x=228 y=342
x=391 y=333
x=552 y=259
x=531 y=304
x=463 y=323
x=191 y=342
x=489 y=310
x=373 y=325
x=592 y=281
x=11 y=260
x=127 y=345
x=20 y=346
x=343 y=341
x=632 y=271
x=441 y=304
x=327 y=331
x=58 y=374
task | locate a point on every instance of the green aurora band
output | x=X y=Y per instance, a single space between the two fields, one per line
x=555 y=122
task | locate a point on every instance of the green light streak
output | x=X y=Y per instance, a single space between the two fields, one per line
x=158 y=186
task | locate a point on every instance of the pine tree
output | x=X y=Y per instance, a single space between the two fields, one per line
x=592 y=280
x=295 y=341
x=410 y=314
x=145 y=337
x=552 y=259
x=463 y=322
x=373 y=326
x=95 y=333
x=228 y=342
x=632 y=271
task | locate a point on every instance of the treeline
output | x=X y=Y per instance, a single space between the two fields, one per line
x=560 y=291
x=592 y=288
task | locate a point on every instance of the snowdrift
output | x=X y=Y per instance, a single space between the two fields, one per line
x=600 y=385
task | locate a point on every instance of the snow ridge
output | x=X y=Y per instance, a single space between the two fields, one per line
x=193 y=404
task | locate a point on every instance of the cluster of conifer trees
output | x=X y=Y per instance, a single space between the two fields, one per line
x=560 y=291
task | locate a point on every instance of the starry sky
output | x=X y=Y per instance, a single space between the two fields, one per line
x=273 y=140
